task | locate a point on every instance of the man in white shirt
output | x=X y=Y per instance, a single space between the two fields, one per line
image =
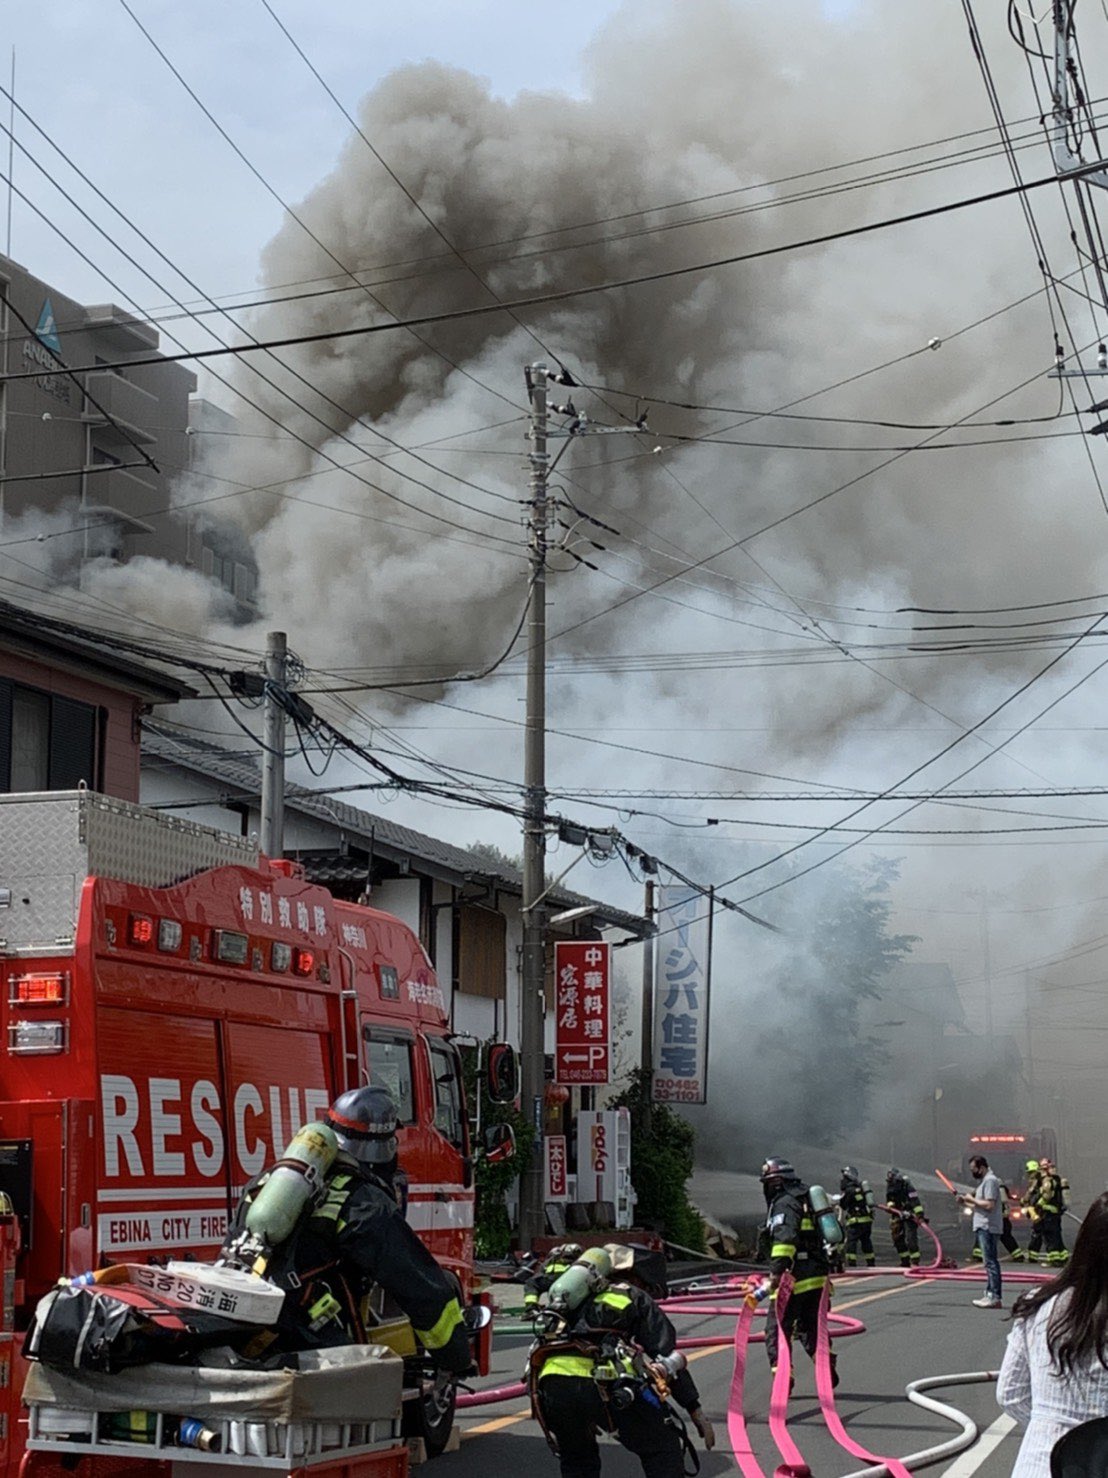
x=988 y=1222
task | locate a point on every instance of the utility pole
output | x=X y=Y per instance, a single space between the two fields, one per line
x=532 y=1213
x=646 y=1056
x=273 y=754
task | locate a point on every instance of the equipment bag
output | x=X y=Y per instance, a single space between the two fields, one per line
x=108 y=1327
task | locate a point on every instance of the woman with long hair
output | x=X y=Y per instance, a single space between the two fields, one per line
x=1055 y=1370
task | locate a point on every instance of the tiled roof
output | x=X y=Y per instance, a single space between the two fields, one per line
x=172 y=746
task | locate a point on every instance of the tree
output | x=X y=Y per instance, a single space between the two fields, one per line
x=800 y=1068
x=662 y=1146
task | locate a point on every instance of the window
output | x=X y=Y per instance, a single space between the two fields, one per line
x=30 y=731
x=389 y=1059
x=481 y=951
x=47 y=742
x=446 y=1076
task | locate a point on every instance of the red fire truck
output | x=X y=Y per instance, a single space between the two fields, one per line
x=1008 y=1151
x=174 y=1007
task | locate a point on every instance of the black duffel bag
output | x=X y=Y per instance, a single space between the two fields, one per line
x=111 y=1326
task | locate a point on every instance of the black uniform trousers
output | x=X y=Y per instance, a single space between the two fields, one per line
x=572 y=1407
x=1054 y=1249
x=801 y=1318
x=859 y=1238
x=905 y=1234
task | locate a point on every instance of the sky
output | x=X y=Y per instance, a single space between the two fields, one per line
x=89 y=77
x=760 y=665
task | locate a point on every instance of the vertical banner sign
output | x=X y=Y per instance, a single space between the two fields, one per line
x=582 y=1041
x=681 y=989
x=556 y=1187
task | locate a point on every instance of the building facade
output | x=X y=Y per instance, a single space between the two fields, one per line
x=96 y=453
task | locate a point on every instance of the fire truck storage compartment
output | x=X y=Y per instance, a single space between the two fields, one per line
x=17 y=1180
x=341 y=1403
x=51 y=842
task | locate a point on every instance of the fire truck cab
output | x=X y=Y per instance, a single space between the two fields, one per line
x=174 y=1007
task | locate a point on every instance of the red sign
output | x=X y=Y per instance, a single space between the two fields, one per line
x=583 y=1050
x=557 y=1188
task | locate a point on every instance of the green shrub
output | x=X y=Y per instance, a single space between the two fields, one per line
x=661 y=1164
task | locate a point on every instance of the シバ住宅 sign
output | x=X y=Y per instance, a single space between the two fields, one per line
x=683 y=972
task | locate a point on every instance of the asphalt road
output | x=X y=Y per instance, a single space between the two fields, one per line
x=914 y=1328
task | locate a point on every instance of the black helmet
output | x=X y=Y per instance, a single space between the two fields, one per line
x=894 y=1174
x=774 y=1173
x=776 y=1168
x=364 y=1121
x=850 y=1175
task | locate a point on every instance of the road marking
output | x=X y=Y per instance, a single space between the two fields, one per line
x=982 y=1449
x=497 y=1424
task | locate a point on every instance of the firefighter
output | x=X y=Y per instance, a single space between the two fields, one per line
x=353 y=1236
x=1050 y=1203
x=796 y=1247
x=856 y=1209
x=1031 y=1206
x=585 y=1380
x=558 y=1261
x=903 y=1202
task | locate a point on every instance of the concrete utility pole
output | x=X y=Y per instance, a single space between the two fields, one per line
x=532 y=1212
x=646 y=1052
x=273 y=755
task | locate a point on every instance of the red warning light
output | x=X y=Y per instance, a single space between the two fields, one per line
x=303 y=962
x=140 y=929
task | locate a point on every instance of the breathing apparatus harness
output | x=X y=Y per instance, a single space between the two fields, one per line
x=621 y=1370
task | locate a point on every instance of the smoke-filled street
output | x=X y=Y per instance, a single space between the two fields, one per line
x=553 y=581
x=913 y=1329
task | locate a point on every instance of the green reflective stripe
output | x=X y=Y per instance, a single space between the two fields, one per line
x=568 y=1365
x=334 y=1201
x=443 y=1327
x=783 y=1249
x=807 y=1224
x=805 y=1285
x=530 y=1298
x=1046 y=1206
x=614 y=1300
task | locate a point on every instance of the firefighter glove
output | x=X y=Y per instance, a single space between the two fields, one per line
x=704 y=1428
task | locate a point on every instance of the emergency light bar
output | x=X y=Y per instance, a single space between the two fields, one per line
x=998 y=1139
x=38 y=990
x=167 y=933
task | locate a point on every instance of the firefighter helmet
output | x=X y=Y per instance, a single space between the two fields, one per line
x=571 y=1251
x=774 y=1173
x=894 y=1174
x=850 y=1172
x=1032 y=1165
x=365 y=1122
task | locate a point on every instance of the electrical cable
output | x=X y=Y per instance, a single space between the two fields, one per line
x=568 y=294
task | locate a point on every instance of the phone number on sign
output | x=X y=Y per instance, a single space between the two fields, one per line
x=677 y=1090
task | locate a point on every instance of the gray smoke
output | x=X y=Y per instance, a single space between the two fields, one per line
x=686 y=100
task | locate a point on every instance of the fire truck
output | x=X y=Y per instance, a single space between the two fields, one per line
x=175 y=1006
x=1008 y=1151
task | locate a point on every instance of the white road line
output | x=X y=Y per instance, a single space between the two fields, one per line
x=982 y=1449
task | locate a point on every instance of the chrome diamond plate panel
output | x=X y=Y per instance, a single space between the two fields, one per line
x=50 y=842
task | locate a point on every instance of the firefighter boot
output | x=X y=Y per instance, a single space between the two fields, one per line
x=792 y=1378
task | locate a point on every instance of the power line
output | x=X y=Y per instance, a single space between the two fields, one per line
x=568 y=294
